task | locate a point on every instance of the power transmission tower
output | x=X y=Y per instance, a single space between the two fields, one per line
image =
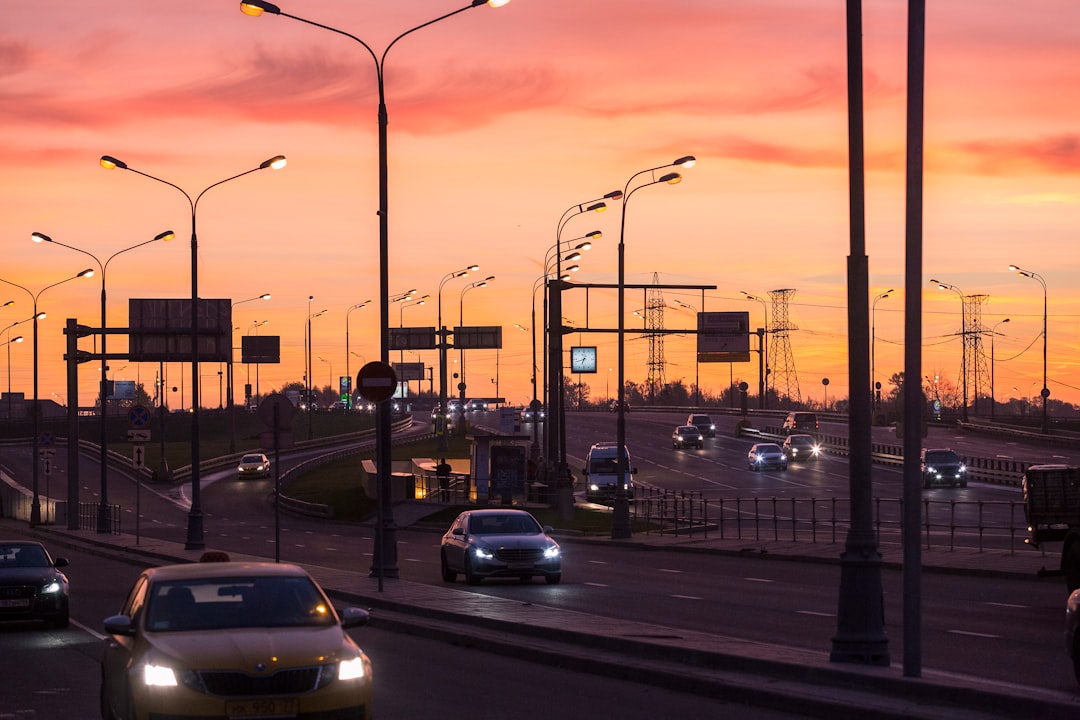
x=974 y=366
x=784 y=380
x=654 y=324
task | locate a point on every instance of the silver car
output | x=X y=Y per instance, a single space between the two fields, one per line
x=499 y=543
x=766 y=455
x=253 y=465
x=1072 y=631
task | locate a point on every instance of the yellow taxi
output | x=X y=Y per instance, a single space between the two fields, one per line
x=233 y=640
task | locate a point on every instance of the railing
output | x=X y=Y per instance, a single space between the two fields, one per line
x=946 y=524
x=89 y=513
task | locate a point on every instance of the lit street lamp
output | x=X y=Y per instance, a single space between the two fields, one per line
x=620 y=523
x=308 y=342
x=35 y=411
x=763 y=377
x=461 y=323
x=963 y=342
x=330 y=366
x=195 y=515
x=16 y=339
x=697 y=364
x=993 y=397
x=441 y=333
x=1045 y=393
x=875 y=391
x=348 y=372
x=103 y=520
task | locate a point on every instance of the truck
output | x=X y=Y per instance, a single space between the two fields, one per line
x=1052 y=511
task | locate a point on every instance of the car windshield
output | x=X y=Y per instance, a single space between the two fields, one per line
x=503 y=524
x=236 y=602
x=801 y=440
x=23 y=555
x=702 y=419
x=768 y=448
x=687 y=430
x=252 y=459
x=941 y=456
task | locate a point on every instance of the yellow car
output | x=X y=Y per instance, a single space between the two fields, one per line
x=232 y=640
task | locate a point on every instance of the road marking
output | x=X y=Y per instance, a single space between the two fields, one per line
x=598 y=562
x=760 y=580
x=815 y=614
x=974 y=634
x=596 y=584
x=413 y=560
x=1011 y=606
x=88 y=631
x=687 y=597
x=670 y=571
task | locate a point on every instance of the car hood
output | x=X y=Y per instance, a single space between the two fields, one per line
x=516 y=541
x=243 y=649
x=28 y=576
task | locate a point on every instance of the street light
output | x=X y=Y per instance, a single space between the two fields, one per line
x=35 y=504
x=993 y=397
x=348 y=372
x=103 y=524
x=255 y=325
x=440 y=420
x=963 y=342
x=385 y=561
x=16 y=339
x=620 y=523
x=308 y=342
x=1045 y=390
x=231 y=403
x=697 y=365
x=763 y=376
x=461 y=323
x=330 y=366
x=195 y=516
x=875 y=393
x=7 y=331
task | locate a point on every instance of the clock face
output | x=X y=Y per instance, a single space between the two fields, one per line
x=583 y=359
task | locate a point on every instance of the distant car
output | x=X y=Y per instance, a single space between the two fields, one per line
x=1072 y=631
x=253 y=465
x=601 y=472
x=685 y=436
x=233 y=639
x=499 y=543
x=614 y=406
x=941 y=466
x=766 y=455
x=800 y=422
x=338 y=406
x=703 y=423
x=31 y=584
x=476 y=406
x=528 y=415
x=801 y=448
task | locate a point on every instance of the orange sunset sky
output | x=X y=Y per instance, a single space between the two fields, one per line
x=500 y=120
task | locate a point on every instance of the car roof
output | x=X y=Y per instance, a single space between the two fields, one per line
x=496 y=511
x=765 y=444
x=800 y=436
x=686 y=427
x=210 y=570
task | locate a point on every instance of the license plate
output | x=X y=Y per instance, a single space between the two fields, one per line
x=264 y=708
x=19 y=603
x=520 y=566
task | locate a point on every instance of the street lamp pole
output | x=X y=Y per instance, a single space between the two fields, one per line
x=230 y=403
x=875 y=392
x=963 y=342
x=441 y=333
x=697 y=363
x=35 y=503
x=1045 y=390
x=993 y=397
x=763 y=380
x=103 y=521
x=16 y=339
x=461 y=323
x=620 y=523
x=195 y=537
x=386 y=538
x=309 y=370
x=348 y=372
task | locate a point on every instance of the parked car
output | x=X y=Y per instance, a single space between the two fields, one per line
x=766 y=455
x=942 y=466
x=1072 y=631
x=232 y=639
x=800 y=422
x=703 y=423
x=499 y=543
x=31 y=584
x=685 y=436
x=601 y=472
x=253 y=465
x=801 y=448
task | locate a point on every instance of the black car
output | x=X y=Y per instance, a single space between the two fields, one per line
x=703 y=423
x=31 y=585
x=685 y=436
x=801 y=448
x=942 y=466
x=499 y=543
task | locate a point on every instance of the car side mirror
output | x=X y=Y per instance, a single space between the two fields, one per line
x=633 y=471
x=457 y=531
x=353 y=617
x=119 y=625
x=548 y=529
x=60 y=562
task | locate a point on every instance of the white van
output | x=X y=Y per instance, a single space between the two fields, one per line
x=602 y=474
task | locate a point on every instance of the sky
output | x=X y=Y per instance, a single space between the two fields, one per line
x=503 y=120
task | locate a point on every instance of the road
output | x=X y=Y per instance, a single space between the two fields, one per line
x=52 y=673
x=971 y=625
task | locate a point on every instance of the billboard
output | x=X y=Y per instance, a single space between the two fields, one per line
x=478 y=337
x=159 y=329
x=260 y=349
x=723 y=337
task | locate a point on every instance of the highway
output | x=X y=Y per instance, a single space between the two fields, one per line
x=972 y=625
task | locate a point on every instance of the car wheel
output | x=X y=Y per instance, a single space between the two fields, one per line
x=553 y=579
x=471 y=578
x=448 y=575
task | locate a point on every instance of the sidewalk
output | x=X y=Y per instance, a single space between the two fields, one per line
x=788 y=679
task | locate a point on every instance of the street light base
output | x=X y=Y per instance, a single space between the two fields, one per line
x=620 y=520
x=860 y=636
x=195 y=539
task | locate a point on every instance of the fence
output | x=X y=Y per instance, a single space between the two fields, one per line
x=89 y=513
x=946 y=524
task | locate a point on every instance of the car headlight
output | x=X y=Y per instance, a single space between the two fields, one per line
x=963 y=469
x=352 y=669
x=594 y=487
x=51 y=588
x=551 y=552
x=158 y=675
x=483 y=553
x=758 y=458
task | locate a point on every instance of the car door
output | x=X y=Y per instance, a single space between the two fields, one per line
x=116 y=661
x=455 y=543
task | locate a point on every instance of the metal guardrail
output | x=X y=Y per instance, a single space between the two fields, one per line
x=89 y=513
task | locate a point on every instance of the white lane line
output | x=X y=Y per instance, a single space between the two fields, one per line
x=1011 y=606
x=596 y=584
x=815 y=614
x=598 y=562
x=687 y=597
x=88 y=631
x=760 y=580
x=670 y=571
x=973 y=634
